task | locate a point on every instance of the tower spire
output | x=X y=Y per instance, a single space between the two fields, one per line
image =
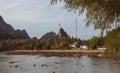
x=59 y=25
x=59 y=30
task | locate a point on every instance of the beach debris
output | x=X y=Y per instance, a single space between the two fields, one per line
x=96 y=64
x=34 y=65
x=82 y=65
x=56 y=68
x=10 y=65
x=16 y=66
x=12 y=62
x=59 y=62
x=77 y=64
x=44 y=65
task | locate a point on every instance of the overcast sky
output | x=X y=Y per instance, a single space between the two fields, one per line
x=38 y=17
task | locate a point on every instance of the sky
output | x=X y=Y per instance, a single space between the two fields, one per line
x=38 y=17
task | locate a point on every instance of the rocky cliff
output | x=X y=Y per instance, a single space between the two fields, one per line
x=49 y=35
x=7 y=28
x=62 y=33
x=22 y=33
x=4 y=27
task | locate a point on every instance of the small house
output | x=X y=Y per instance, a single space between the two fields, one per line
x=84 y=47
x=101 y=48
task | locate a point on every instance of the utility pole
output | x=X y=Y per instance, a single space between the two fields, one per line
x=76 y=27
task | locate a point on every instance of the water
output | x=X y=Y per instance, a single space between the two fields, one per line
x=39 y=64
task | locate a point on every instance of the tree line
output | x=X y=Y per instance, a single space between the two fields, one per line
x=36 y=44
x=111 y=41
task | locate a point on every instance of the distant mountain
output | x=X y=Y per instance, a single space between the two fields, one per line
x=22 y=33
x=4 y=27
x=62 y=33
x=7 y=29
x=52 y=34
x=49 y=35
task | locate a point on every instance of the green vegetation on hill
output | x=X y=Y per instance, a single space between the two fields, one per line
x=11 y=35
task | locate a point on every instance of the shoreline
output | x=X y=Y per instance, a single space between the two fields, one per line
x=62 y=53
x=58 y=53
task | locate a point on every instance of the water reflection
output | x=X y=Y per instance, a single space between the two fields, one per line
x=39 y=64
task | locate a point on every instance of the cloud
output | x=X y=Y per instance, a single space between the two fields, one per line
x=6 y=6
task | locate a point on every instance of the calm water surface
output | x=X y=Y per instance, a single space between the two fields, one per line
x=39 y=64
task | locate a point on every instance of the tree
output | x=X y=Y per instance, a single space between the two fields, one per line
x=112 y=41
x=78 y=43
x=3 y=45
x=96 y=42
x=64 y=44
x=93 y=42
x=103 y=14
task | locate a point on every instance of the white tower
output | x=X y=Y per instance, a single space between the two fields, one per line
x=59 y=30
x=59 y=26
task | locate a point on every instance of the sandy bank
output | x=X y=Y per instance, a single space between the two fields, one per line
x=60 y=53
